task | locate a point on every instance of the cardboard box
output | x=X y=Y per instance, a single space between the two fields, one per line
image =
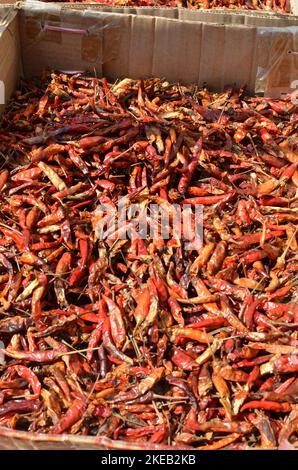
x=220 y=15
x=117 y=45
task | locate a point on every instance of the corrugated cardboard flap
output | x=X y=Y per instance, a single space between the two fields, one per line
x=9 y=53
x=277 y=65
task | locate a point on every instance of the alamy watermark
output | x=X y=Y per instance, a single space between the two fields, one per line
x=150 y=221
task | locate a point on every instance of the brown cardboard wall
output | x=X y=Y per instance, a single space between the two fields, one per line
x=9 y=55
x=54 y=39
x=120 y=45
x=277 y=67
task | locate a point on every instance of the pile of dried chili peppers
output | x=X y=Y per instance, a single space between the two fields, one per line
x=279 y=6
x=141 y=340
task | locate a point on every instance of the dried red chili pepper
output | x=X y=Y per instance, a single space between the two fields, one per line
x=190 y=346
